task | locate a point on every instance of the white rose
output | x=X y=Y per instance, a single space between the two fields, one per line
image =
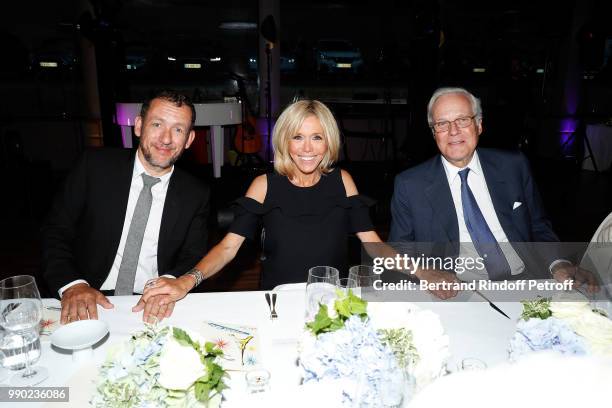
x=596 y=329
x=565 y=310
x=179 y=365
x=428 y=336
x=391 y=315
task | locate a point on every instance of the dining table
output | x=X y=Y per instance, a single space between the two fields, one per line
x=475 y=330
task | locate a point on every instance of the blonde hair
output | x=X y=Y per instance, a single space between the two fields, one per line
x=288 y=125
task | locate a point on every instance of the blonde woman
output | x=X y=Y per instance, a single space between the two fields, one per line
x=307 y=207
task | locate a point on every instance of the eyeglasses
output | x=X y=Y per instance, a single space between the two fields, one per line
x=445 y=125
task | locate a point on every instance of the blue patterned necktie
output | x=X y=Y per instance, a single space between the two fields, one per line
x=483 y=239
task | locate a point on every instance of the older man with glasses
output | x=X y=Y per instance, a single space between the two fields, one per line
x=477 y=200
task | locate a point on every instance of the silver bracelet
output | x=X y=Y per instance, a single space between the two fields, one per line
x=197 y=275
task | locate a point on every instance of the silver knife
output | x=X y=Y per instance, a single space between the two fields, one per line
x=491 y=303
x=269 y=303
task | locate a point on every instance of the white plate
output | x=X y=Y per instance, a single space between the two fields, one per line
x=79 y=335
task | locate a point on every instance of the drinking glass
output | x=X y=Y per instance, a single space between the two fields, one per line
x=346 y=284
x=3 y=371
x=320 y=288
x=364 y=278
x=472 y=364
x=258 y=380
x=395 y=387
x=20 y=315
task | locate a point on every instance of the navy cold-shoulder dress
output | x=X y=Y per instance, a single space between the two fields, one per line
x=303 y=226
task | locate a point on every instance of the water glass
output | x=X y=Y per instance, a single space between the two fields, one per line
x=320 y=288
x=472 y=364
x=364 y=277
x=257 y=380
x=16 y=346
x=20 y=315
x=395 y=388
x=3 y=371
x=346 y=284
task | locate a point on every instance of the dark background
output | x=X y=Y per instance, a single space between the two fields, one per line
x=541 y=68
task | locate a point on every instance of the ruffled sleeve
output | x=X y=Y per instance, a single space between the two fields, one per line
x=359 y=213
x=247 y=214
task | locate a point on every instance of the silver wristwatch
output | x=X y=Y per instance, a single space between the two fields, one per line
x=197 y=275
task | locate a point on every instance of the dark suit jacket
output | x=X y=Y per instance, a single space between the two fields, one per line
x=423 y=210
x=82 y=231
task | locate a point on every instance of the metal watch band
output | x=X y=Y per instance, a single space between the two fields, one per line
x=197 y=275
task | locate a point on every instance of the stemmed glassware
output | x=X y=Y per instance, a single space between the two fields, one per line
x=320 y=288
x=347 y=283
x=364 y=277
x=20 y=316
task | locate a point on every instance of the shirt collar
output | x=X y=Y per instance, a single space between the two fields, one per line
x=139 y=169
x=452 y=171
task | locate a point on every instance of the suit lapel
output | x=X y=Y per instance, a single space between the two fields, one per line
x=117 y=204
x=170 y=216
x=439 y=195
x=500 y=193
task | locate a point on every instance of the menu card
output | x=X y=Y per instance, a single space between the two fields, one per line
x=240 y=344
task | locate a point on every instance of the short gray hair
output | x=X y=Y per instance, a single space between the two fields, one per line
x=474 y=101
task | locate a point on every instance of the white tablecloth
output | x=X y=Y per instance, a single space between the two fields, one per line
x=474 y=328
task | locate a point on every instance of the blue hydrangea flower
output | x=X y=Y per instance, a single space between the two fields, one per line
x=355 y=354
x=549 y=334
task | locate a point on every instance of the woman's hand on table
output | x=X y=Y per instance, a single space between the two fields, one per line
x=153 y=309
x=160 y=295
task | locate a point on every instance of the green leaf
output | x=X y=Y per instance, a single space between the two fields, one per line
x=346 y=305
x=343 y=307
x=211 y=348
x=182 y=337
x=358 y=306
x=336 y=324
x=202 y=391
x=538 y=309
x=321 y=321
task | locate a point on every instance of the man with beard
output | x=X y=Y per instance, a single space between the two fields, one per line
x=125 y=217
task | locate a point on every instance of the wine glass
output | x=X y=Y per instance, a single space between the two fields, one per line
x=3 y=371
x=320 y=288
x=364 y=278
x=20 y=315
x=346 y=284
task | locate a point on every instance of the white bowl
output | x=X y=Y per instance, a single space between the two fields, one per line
x=79 y=335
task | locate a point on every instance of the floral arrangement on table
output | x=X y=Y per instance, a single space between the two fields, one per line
x=161 y=367
x=373 y=357
x=568 y=325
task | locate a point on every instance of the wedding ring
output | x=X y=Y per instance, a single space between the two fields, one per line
x=150 y=283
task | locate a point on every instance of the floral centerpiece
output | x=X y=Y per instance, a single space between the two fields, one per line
x=416 y=336
x=568 y=325
x=161 y=367
x=372 y=357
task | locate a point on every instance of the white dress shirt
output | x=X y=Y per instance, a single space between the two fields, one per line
x=478 y=185
x=147 y=260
